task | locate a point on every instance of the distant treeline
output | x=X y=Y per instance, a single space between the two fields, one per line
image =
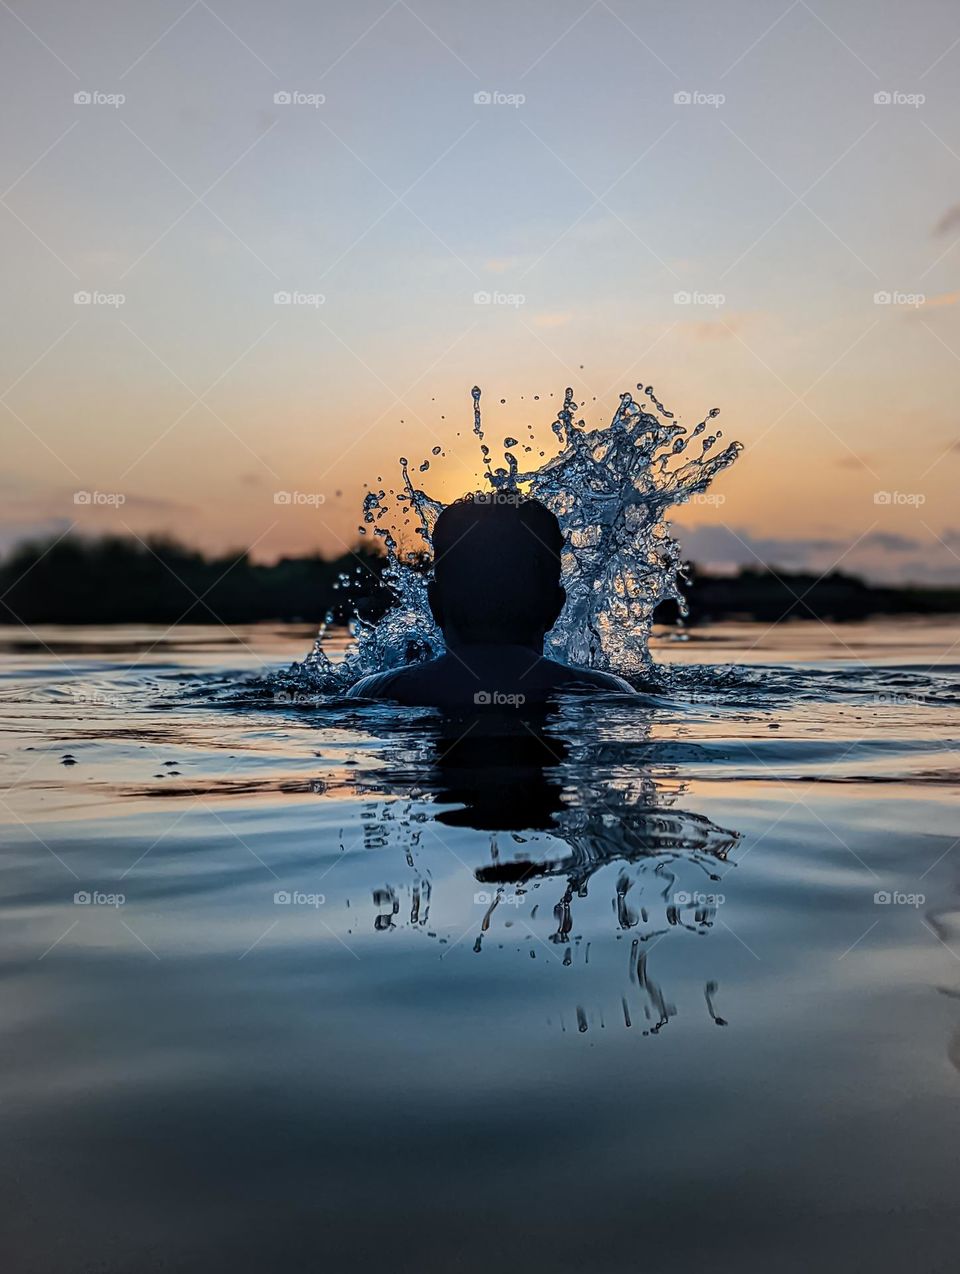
x=771 y=594
x=120 y=580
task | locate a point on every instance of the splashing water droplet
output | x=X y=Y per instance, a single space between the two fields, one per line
x=610 y=489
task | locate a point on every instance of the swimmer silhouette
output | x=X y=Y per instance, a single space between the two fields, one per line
x=495 y=594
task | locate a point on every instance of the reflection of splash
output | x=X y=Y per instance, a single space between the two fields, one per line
x=709 y=991
x=554 y=817
x=628 y=836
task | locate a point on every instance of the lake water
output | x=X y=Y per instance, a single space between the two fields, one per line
x=660 y=985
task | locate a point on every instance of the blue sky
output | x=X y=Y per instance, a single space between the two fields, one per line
x=781 y=200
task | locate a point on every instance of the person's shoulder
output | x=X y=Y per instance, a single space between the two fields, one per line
x=575 y=678
x=376 y=685
x=394 y=684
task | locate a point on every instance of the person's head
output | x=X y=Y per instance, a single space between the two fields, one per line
x=496 y=571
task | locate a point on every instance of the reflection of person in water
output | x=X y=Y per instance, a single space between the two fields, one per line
x=568 y=814
x=573 y=804
x=502 y=776
x=495 y=594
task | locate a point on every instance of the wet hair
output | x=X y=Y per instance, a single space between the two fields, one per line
x=497 y=568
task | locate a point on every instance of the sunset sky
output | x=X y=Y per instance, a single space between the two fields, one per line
x=782 y=199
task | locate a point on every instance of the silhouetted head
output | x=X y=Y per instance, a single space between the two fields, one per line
x=496 y=571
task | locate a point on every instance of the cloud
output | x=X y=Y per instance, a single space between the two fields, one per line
x=949 y=222
x=709 y=544
x=893 y=542
x=881 y=555
x=945 y=298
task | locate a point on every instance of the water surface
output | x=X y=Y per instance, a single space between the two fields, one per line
x=293 y=984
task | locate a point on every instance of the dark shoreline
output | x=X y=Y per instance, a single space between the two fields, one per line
x=124 y=581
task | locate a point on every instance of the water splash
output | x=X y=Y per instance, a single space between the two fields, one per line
x=610 y=488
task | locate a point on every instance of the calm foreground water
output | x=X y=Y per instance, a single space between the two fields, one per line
x=666 y=985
